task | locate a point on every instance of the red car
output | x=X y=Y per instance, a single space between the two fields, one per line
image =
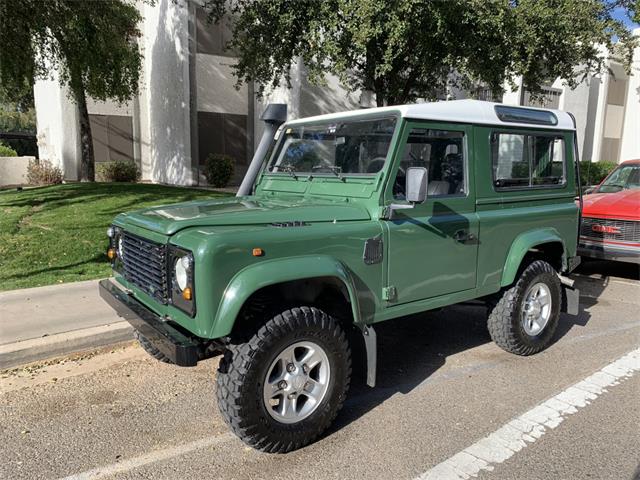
x=611 y=216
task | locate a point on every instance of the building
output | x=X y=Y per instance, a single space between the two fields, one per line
x=188 y=106
x=606 y=108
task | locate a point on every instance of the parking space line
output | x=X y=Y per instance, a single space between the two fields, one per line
x=528 y=427
x=150 y=457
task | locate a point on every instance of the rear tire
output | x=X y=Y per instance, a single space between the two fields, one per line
x=523 y=318
x=150 y=349
x=255 y=376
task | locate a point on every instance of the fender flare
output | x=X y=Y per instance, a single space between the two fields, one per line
x=271 y=272
x=522 y=244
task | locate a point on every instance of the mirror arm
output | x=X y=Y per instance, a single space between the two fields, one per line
x=387 y=213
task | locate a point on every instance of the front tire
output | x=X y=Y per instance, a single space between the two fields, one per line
x=523 y=318
x=283 y=387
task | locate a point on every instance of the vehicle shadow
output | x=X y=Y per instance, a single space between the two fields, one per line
x=593 y=278
x=412 y=349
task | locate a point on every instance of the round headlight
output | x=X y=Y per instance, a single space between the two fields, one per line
x=110 y=232
x=181 y=273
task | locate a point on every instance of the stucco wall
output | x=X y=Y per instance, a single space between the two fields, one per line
x=58 y=126
x=13 y=170
x=216 y=86
x=304 y=99
x=164 y=104
x=582 y=102
x=630 y=147
x=110 y=107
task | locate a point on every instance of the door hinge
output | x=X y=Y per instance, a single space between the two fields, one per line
x=389 y=293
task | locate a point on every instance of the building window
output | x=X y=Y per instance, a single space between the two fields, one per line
x=224 y=133
x=549 y=98
x=112 y=137
x=486 y=94
x=527 y=160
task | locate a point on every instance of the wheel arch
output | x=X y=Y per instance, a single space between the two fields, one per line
x=266 y=276
x=546 y=244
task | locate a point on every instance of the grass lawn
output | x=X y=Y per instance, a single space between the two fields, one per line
x=57 y=234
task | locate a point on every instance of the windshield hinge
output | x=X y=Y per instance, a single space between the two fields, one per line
x=389 y=293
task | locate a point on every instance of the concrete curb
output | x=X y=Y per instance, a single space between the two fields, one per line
x=27 y=351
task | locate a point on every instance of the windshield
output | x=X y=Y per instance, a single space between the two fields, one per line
x=627 y=176
x=337 y=147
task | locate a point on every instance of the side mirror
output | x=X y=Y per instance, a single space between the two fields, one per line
x=415 y=191
x=416 y=184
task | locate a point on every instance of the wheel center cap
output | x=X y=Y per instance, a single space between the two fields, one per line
x=298 y=382
x=536 y=309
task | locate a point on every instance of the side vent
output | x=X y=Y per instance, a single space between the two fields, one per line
x=372 y=251
x=296 y=223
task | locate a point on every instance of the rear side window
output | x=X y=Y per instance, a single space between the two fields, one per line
x=527 y=160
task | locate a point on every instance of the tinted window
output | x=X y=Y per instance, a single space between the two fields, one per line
x=525 y=115
x=441 y=152
x=527 y=160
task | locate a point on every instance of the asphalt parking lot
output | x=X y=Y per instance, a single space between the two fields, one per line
x=445 y=396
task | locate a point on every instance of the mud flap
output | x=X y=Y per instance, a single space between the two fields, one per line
x=570 y=300
x=370 y=343
x=570 y=296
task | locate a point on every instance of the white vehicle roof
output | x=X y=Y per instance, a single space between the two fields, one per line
x=459 y=111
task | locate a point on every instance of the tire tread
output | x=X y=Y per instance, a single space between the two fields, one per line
x=503 y=307
x=233 y=383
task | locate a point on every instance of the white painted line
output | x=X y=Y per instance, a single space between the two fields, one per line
x=151 y=457
x=528 y=427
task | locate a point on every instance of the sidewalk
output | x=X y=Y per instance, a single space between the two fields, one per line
x=39 y=323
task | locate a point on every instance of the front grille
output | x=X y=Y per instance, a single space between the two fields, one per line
x=627 y=230
x=145 y=265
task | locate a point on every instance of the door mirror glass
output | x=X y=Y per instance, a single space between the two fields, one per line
x=416 y=186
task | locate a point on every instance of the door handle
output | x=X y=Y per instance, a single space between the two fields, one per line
x=463 y=236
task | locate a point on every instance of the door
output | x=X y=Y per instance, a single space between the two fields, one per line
x=432 y=248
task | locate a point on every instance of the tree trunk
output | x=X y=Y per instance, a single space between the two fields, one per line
x=381 y=93
x=87 y=162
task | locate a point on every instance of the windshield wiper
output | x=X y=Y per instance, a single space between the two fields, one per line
x=286 y=168
x=337 y=171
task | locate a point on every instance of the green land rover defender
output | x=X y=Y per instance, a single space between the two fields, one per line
x=344 y=221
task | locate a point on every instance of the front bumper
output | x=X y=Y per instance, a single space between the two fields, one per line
x=609 y=251
x=179 y=348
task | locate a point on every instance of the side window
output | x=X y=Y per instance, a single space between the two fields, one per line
x=527 y=160
x=441 y=152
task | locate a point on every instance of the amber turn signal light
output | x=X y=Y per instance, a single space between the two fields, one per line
x=186 y=293
x=258 y=252
x=111 y=253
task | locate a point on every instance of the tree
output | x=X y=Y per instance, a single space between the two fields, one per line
x=92 y=46
x=403 y=50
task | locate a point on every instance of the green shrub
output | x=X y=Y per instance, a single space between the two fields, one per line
x=592 y=173
x=7 y=151
x=43 y=172
x=218 y=169
x=118 y=171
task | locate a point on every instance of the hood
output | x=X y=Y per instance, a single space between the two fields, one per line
x=622 y=204
x=170 y=219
